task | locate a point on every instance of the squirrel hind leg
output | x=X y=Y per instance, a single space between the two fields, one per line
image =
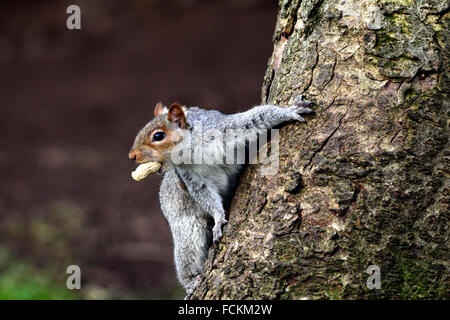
x=191 y=287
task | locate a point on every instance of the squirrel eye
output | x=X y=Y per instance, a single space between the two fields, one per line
x=158 y=136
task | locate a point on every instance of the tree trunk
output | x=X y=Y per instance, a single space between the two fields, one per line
x=365 y=181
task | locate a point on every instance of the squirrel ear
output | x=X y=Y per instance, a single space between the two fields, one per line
x=159 y=108
x=176 y=114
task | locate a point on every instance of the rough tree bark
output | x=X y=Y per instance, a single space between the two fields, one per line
x=365 y=181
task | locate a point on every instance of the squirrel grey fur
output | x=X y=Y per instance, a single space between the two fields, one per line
x=194 y=197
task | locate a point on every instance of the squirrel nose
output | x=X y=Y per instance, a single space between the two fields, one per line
x=132 y=155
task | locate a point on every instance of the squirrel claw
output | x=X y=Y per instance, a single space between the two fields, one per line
x=217 y=234
x=298 y=108
x=299 y=102
x=217 y=230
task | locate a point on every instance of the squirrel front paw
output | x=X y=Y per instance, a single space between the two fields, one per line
x=299 y=102
x=299 y=108
x=217 y=230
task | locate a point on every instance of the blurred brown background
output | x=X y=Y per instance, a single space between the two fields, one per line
x=71 y=103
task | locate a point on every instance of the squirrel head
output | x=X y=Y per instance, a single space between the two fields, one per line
x=157 y=139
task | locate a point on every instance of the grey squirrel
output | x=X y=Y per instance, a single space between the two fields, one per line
x=194 y=197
